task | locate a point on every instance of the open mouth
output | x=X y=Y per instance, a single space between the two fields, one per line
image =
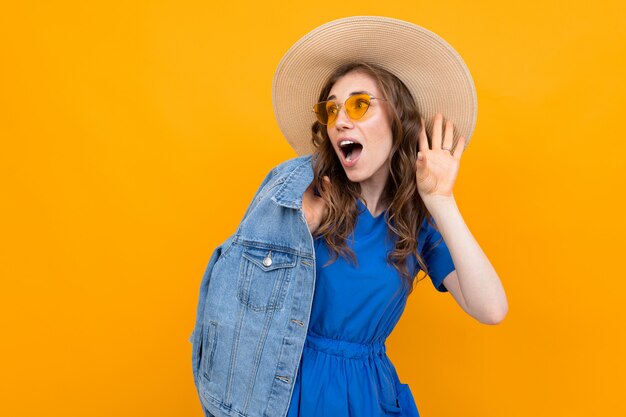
x=350 y=149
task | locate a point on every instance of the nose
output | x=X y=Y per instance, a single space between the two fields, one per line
x=343 y=120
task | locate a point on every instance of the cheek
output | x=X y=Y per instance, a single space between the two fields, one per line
x=385 y=139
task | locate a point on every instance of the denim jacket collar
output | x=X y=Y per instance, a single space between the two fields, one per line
x=297 y=181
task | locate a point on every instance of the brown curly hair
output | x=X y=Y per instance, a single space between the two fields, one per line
x=406 y=210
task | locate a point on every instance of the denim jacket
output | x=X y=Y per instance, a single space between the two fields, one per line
x=255 y=302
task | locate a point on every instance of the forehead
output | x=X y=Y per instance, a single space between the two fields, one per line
x=351 y=82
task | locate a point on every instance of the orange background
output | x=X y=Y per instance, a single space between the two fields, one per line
x=134 y=135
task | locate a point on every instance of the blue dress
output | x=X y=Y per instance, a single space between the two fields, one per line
x=344 y=370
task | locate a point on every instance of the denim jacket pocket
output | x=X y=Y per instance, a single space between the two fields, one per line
x=263 y=277
x=208 y=349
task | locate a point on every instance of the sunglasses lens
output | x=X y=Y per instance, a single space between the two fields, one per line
x=357 y=105
x=331 y=111
x=326 y=111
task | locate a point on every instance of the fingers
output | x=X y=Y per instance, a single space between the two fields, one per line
x=447 y=142
x=436 y=139
x=460 y=147
x=423 y=139
x=447 y=139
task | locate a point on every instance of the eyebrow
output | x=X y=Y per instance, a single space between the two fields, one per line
x=352 y=93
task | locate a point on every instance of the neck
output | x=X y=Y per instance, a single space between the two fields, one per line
x=371 y=192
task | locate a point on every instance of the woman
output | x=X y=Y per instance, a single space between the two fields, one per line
x=376 y=195
x=296 y=305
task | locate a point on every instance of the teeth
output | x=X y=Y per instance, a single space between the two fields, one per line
x=345 y=142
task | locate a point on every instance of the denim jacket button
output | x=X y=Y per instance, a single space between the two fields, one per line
x=267 y=261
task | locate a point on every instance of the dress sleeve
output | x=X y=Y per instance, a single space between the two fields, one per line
x=436 y=255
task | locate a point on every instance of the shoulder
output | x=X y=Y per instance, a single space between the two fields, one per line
x=289 y=165
x=285 y=169
x=287 y=175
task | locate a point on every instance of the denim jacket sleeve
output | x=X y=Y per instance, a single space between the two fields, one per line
x=196 y=337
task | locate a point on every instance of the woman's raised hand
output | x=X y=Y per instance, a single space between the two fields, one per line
x=314 y=207
x=436 y=169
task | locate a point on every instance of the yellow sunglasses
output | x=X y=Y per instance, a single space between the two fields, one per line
x=355 y=105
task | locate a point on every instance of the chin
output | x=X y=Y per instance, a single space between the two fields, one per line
x=356 y=176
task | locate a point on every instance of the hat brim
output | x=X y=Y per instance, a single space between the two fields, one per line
x=432 y=70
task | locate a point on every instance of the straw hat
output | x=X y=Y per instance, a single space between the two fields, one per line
x=433 y=71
